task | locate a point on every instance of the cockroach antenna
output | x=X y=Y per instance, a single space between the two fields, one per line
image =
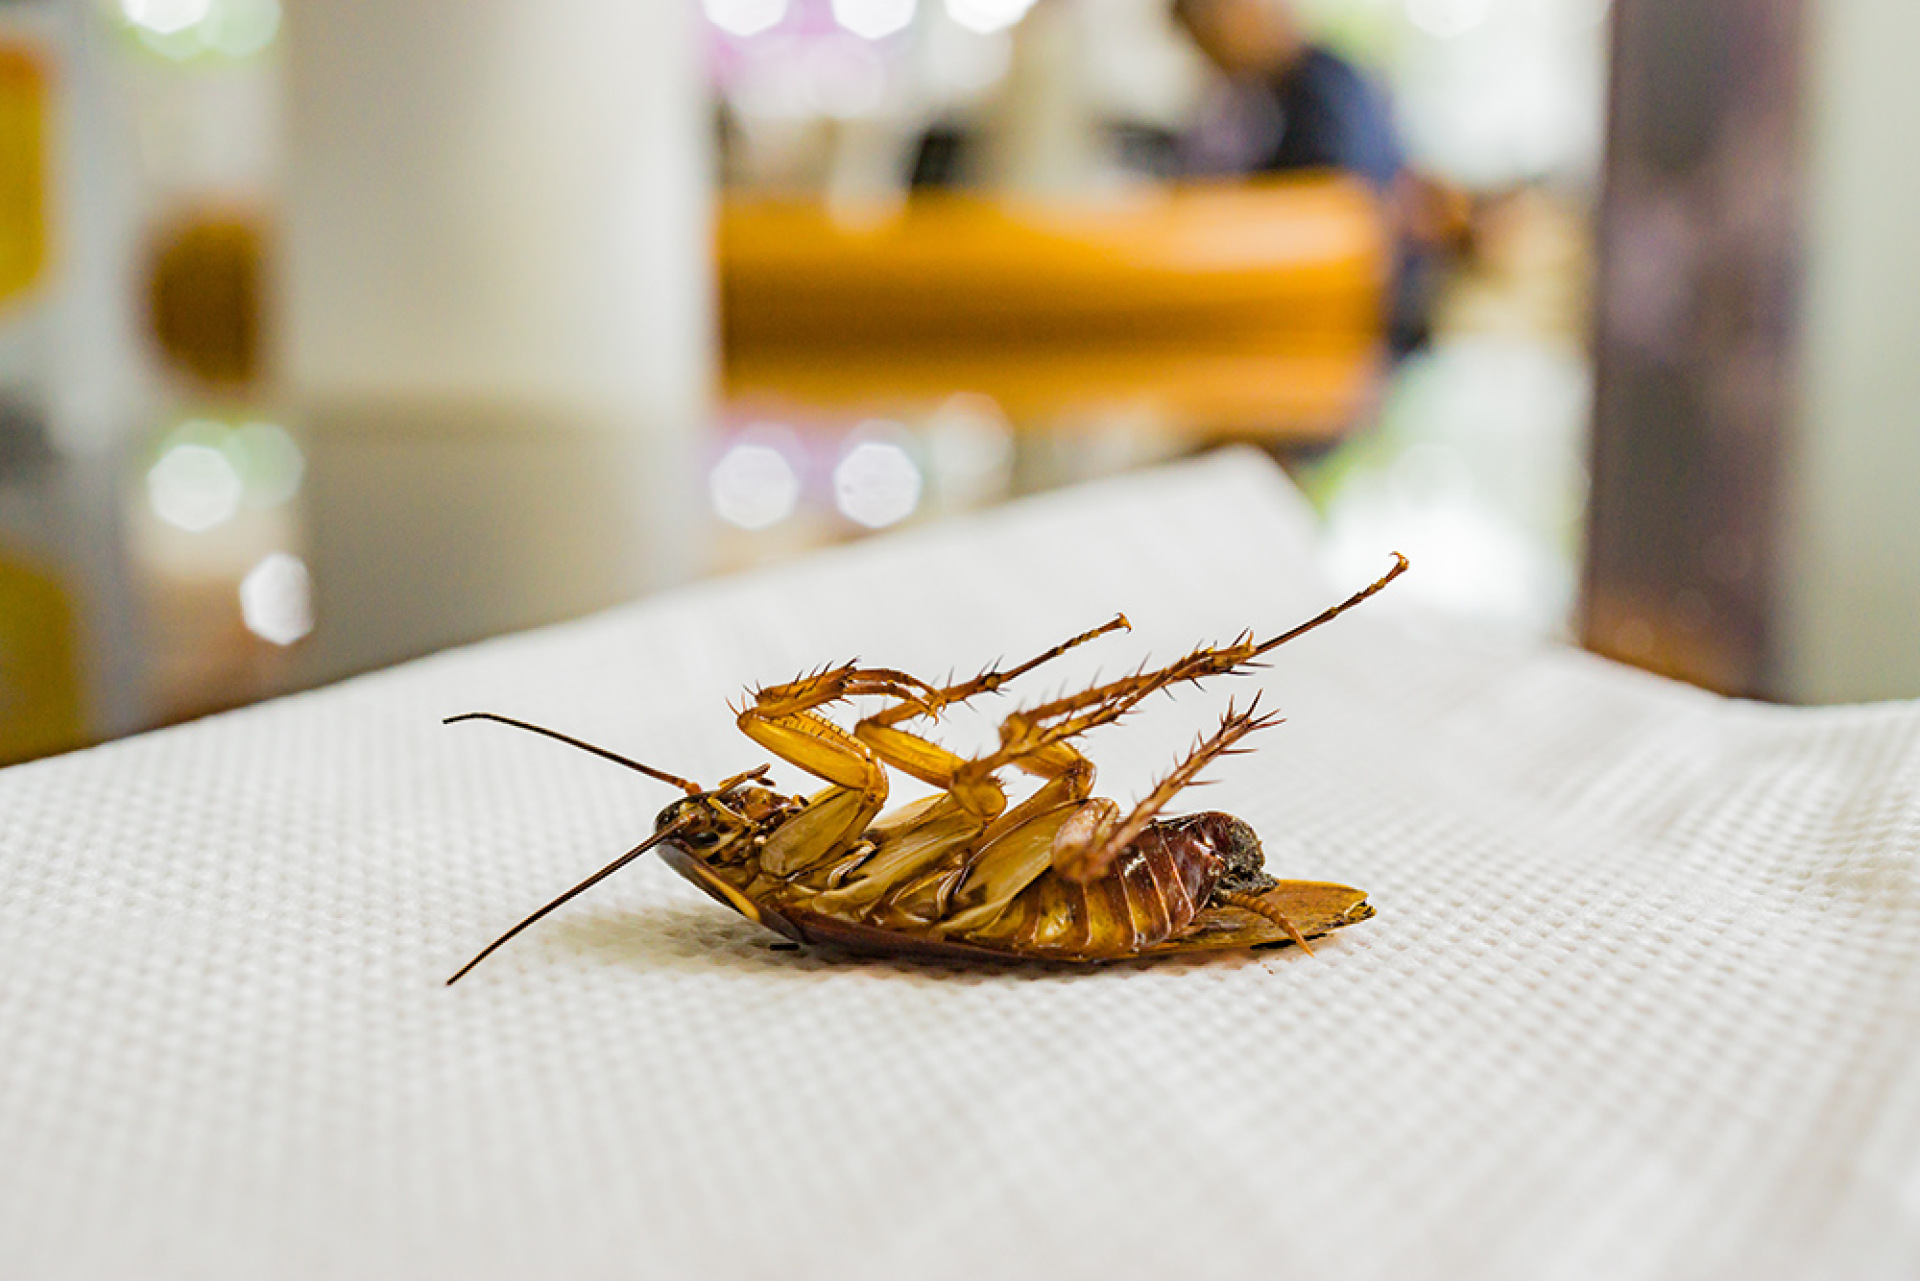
x=694 y=791
x=690 y=788
x=581 y=888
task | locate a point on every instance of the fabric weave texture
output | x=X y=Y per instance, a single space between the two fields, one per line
x=1641 y=999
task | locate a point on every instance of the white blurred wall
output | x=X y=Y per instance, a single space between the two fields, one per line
x=495 y=316
x=1852 y=587
x=500 y=197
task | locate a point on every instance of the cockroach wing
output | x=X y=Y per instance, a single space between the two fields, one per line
x=1315 y=908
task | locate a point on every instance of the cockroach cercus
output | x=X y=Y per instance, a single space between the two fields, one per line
x=1061 y=875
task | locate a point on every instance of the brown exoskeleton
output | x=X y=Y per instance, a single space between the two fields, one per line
x=1061 y=875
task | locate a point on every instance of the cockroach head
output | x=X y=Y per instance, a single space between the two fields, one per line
x=707 y=823
x=1243 y=863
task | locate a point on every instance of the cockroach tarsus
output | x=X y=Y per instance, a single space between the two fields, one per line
x=1060 y=875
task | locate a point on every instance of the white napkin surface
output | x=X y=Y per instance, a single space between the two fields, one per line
x=1641 y=999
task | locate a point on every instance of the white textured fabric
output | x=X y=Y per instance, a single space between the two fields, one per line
x=1641 y=1000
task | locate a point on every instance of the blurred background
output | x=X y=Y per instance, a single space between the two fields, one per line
x=332 y=335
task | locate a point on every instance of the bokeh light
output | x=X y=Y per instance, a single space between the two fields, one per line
x=987 y=15
x=241 y=28
x=972 y=451
x=745 y=17
x=877 y=483
x=755 y=484
x=194 y=486
x=269 y=462
x=166 y=17
x=182 y=29
x=874 y=19
x=276 y=599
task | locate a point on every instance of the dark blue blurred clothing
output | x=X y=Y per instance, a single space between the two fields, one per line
x=1332 y=117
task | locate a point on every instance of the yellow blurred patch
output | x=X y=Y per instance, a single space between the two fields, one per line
x=40 y=705
x=24 y=94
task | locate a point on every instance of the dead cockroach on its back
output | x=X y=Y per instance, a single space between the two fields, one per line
x=1062 y=875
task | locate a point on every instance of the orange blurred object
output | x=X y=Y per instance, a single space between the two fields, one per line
x=24 y=91
x=1242 y=310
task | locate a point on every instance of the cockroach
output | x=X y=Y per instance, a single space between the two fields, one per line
x=1061 y=875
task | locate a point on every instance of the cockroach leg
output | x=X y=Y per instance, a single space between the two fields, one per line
x=975 y=789
x=1075 y=714
x=935 y=766
x=831 y=820
x=991 y=680
x=1085 y=855
x=754 y=775
x=784 y=719
x=1328 y=615
x=1004 y=866
x=858 y=782
x=838 y=683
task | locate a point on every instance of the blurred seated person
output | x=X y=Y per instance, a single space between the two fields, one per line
x=1293 y=105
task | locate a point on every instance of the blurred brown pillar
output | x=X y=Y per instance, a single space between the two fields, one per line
x=1696 y=337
